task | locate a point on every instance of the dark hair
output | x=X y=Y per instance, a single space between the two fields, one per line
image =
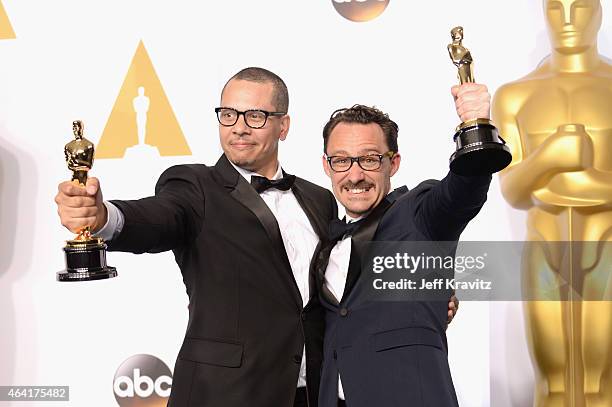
x=363 y=115
x=280 y=98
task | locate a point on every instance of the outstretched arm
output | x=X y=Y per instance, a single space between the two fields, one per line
x=162 y=222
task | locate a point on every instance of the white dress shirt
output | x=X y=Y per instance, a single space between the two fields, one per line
x=336 y=273
x=299 y=238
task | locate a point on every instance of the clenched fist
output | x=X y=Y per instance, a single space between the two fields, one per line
x=80 y=206
x=472 y=101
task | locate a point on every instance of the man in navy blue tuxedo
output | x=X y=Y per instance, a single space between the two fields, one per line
x=379 y=353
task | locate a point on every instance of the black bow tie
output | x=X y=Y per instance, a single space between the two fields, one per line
x=262 y=183
x=339 y=228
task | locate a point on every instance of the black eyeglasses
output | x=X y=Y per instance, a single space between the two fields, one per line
x=255 y=119
x=370 y=162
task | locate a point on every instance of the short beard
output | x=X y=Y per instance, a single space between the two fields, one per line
x=359 y=214
x=248 y=165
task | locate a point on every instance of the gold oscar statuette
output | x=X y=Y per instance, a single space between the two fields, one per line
x=479 y=148
x=557 y=120
x=85 y=255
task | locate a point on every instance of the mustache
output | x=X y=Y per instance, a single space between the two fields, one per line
x=359 y=185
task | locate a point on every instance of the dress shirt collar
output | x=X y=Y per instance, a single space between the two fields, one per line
x=350 y=219
x=247 y=173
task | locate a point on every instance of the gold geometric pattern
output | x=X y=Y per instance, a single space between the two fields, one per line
x=6 y=29
x=142 y=114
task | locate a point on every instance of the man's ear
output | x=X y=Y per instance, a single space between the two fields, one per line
x=326 y=165
x=395 y=163
x=285 y=121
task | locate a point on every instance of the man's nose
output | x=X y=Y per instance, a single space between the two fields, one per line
x=240 y=127
x=356 y=173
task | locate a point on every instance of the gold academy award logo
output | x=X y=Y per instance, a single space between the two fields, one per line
x=360 y=10
x=142 y=118
x=6 y=29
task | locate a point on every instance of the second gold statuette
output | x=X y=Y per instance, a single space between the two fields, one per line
x=480 y=149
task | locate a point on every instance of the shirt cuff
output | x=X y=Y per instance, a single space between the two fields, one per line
x=114 y=223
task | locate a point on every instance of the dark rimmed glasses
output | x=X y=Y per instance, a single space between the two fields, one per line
x=370 y=162
x=255 y=118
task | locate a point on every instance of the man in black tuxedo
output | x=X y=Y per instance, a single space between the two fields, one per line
x=382 y=353
x=243 y=233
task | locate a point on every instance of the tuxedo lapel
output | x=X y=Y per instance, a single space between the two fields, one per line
x=244 y=193
x=364 y=234
x=319 y=224
x=321 y=259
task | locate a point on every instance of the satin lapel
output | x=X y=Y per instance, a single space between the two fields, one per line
x=365 y=233
x=318 y=222
x=242 y=191
x=320 y=261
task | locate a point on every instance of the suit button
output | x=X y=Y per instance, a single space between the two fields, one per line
x=303 y=316
x=297 y=358
x=343 y=312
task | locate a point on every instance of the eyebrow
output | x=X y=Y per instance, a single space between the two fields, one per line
x=246 y=110
x=366 y=151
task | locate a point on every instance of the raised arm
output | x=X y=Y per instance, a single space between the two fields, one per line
x=444 y=208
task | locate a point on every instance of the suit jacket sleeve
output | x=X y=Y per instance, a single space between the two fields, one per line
x=444 y=208
x=169 y=219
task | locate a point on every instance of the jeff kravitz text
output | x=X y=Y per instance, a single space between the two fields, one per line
x=421 y=271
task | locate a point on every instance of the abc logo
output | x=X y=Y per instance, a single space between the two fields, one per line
x=143 y=381
x=360 y=10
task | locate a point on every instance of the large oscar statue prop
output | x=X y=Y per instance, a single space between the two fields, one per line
x=480 y=150
x=85 y=254
x=558 y=123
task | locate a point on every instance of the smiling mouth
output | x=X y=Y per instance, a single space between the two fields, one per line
x=357 y=191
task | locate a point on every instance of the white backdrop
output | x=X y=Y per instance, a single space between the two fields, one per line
x=69 y=61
